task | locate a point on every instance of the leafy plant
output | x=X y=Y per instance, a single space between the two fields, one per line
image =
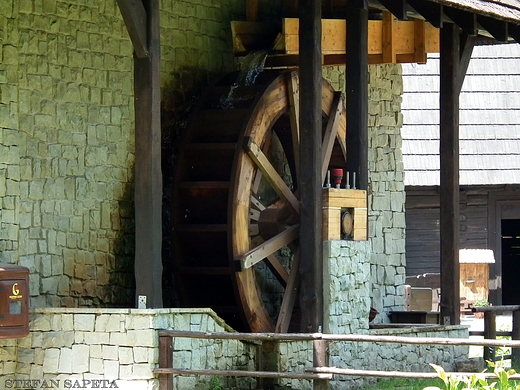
x=482 y=304
x=215 y=384
x=476 y=381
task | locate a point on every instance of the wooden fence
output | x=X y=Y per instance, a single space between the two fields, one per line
x=320 y=373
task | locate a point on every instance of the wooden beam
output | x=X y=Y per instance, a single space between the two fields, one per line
x=148 y=174
x=251 y=10
x=396 y=7
x=311 y=213
x=467 y=43
x=467 y=21
x=514 y=32
x=430 y=11
x=420 y=55
x=389 y=52
x=357 y=91
x=256 y=255
x=331 y=132
x=497 y=28
x=449 y=174
x=270 y=174
x=289 y=297
x=134 y=15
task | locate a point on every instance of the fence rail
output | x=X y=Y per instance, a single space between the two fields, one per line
x=319 y=375
x=490 y=330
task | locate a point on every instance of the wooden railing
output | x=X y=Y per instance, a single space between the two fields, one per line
x=320 y=373
x=490 y=330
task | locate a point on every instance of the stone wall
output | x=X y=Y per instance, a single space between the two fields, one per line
x=67 y=135
x=386 y=196
x=120 y=345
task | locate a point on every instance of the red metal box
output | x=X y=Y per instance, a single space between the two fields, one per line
x=14 y=301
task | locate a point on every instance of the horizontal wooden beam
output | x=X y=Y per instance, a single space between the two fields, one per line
x=400 y=39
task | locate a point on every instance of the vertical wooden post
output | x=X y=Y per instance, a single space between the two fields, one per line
x=490 y=332
x=357 y=90
x=148 y=174
x=165 y=361
x=320 y=359
x=311 y=244
x=449 y=174
x=515 y=352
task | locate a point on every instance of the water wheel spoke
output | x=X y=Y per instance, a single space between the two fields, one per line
x=294 y=115
x=289 y=297
x=278 y=270
x=331 y=132
x=271 y=175
x=258 y=175
x=267 y=248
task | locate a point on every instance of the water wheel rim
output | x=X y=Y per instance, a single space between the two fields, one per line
x=208 y=278
x=274 y=102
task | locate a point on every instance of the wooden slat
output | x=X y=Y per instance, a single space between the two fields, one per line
x=269 y=173
x=255 y=255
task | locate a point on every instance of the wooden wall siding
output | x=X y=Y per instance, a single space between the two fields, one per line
x=422 y=227
x=489 y=119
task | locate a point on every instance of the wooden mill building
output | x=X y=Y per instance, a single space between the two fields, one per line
x=489 y=164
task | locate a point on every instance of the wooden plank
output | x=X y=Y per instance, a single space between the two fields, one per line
x=389 y=50
x=449 y=175
x=255 y=255
x=148 y=175
x=311 y=214
x=134 y=15
x=269 y=173
x=331 y=223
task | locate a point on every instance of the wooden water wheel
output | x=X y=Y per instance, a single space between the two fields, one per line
x=235 y=206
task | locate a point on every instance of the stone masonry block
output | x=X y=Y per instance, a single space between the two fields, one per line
x=84 y=322
x=51 y=361
x=80 y=358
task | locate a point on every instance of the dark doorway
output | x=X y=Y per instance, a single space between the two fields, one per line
x=510 y=261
